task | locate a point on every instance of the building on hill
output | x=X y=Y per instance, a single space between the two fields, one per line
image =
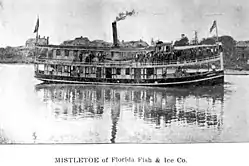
x=134 y=44
x=83 y=41
x=242 y=52
x=30 y=43
x=242 y=49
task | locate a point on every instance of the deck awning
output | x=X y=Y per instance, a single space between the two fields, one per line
x=90 y=48
x=194 y=46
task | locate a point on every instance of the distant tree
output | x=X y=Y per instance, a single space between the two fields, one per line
x=228 y=43
x=159 y=42
x=210 y=40
x=182 y=42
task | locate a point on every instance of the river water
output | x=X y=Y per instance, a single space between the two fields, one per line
x=31 y=112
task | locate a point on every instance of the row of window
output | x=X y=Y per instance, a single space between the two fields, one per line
x=90 y=70
x=118 y=71
x=58 y=52
x=66 y=52
x=94 y=70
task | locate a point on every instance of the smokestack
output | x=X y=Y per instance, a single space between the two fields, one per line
x=47 y=40
x=115 y=34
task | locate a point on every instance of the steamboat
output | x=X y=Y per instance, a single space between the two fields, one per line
x=161 y=65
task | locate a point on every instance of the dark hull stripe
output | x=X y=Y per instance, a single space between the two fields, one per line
x=212 y=78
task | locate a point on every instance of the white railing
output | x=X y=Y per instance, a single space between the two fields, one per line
x=129 y=64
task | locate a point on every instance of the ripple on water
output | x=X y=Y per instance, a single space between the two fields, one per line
x=105 y=114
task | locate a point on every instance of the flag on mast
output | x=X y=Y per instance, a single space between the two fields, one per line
x=213 y=26
x=37 y=25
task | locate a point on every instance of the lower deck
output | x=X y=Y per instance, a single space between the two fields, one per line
x=123 y=73
x=161 y=75
x=211 y=77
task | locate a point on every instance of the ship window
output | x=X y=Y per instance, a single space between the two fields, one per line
x=50 y=54
x=59 y=68
x=66 y=52
x=45 y=67
x=87 y=70
x=75 y=53
x=93 y=70
x=41 y=67
x=58 y=52
x=66 y=69
x=167 y=49
x=127 y=71
x=81 y=69
x=118 y=71
x=43 y=52
x=144 y=71
x=78 y=69
x=150 y=71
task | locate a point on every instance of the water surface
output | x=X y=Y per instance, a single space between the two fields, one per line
x=32 y=112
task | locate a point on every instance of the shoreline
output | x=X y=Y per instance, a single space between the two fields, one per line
x=236 y=72
x=15 y=62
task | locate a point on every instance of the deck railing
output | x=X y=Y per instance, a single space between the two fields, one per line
x=129 y=63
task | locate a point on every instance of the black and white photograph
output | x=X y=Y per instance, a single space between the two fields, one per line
x=124 y=72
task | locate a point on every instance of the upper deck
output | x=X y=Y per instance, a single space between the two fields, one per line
x=163 y=54
x=91 y=48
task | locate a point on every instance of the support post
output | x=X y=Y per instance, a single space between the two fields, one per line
x=221 y=61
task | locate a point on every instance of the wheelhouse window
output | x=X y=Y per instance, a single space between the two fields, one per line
x=81 y=56
x=58 y=52
x=50 y=54
x=167 y=49
x=93 y=70
x=78 y=69
x=43 y=53
x=66 y=52
x=118 y=71
x=40 y=68
x=75 y=54
x=66 y=69
x=164 y=72
x=81 y=69
x=87 y=70
x=150 y=71
x=45 y=67
x=127 y=71
x=59 y=68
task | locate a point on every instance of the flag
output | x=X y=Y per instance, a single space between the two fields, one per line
x=37 y=25
x=213 y=26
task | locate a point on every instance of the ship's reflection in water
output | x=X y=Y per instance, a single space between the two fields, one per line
x=141 y=114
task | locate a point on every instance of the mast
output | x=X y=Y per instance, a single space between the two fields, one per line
x=196 y=38
x=37 y=35
x=36 y=39
x=37 y=30
x=217 y=36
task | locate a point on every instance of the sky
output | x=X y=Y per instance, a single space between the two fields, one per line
x=162 y=20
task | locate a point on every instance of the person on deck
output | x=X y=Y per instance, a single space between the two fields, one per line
x=213 y=67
